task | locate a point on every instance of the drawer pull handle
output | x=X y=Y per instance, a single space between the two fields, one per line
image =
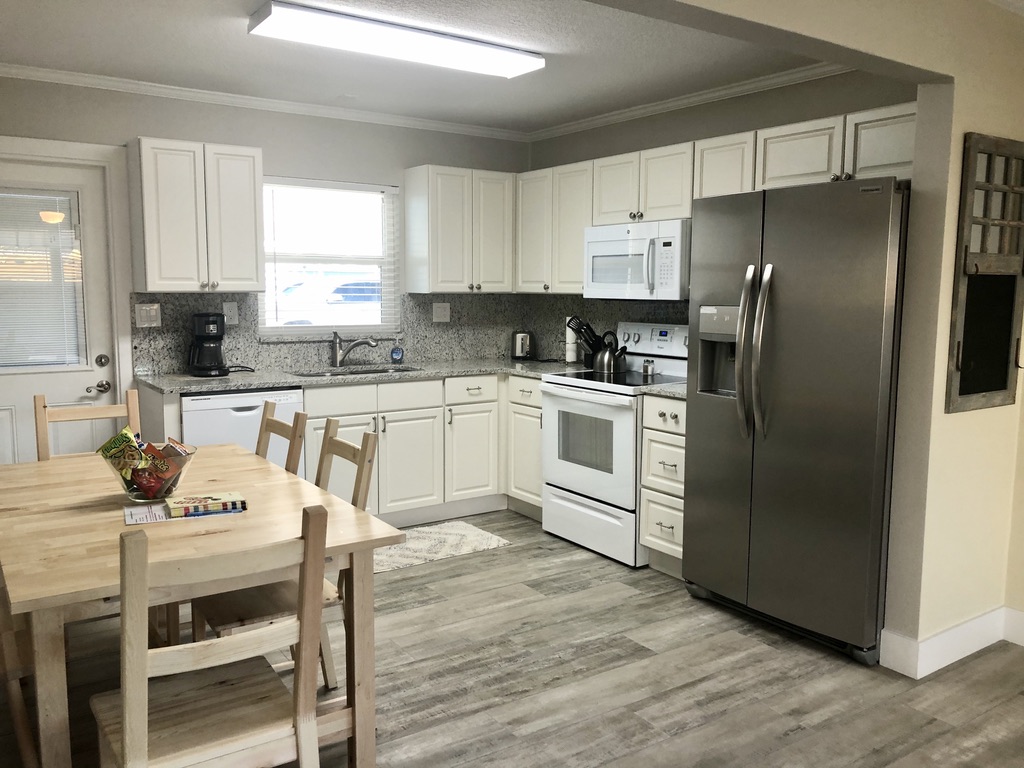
x=665 y=527
x=383 y=424
x=473 y=389
x=449 y=415
x=525 y=391
x=666 y=465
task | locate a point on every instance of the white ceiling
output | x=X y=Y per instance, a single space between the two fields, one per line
x=599 y=60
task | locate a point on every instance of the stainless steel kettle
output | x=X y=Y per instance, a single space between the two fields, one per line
x=611 y=358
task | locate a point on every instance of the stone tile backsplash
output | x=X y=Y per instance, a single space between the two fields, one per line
x=481 y=327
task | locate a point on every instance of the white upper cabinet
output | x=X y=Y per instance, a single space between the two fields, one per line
x=723 y=165
x=197 y=216
x=653 y=184
x=458 y=230
x=554 y=207
x=880 y=142
x=801 y=153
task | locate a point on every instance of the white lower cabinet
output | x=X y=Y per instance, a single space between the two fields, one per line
x=411 y=465
x=343 y=473
x=471 y=451
x=661 y=522
x=525 y=480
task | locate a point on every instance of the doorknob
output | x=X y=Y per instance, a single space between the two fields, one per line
x=102 y=386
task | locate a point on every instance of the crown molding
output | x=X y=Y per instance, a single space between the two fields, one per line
x=142 y=88
x=139 y=87
x=755 y=85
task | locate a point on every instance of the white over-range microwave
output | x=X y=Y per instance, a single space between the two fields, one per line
x=643 y=260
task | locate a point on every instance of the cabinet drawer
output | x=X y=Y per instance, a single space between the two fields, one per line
x=665 y=413
x=524 y=391
x=664 y=459
x=406 y=395
x=340 y=401
x=470 y=389
x=661 y=522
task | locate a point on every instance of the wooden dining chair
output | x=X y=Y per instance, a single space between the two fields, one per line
x=16 y=665
x=47 y=415
x=293 y=433
x=255 y=606
x=217 y=702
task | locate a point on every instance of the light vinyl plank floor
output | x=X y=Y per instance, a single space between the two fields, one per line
x=545 y=654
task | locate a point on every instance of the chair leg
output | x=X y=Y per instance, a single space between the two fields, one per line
x=106 y=753
x=198 y=623
x=22 y=726
x=327 y=659
x=173 y=623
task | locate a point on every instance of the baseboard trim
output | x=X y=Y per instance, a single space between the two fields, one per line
x=524 y=508
x=439 y=512
x=919 y=658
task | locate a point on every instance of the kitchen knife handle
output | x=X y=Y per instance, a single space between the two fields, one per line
x=742 y=407
x=755 y=358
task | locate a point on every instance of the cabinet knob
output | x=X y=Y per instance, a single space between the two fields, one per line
x=639 y=216
x=471 y=286
x=213 y=285
x=834 y=177
x=632 y=216
x=478 y=286
x=674 y=416
x=847 y=176
x=204 y=285
x=661 y=414
x=546 y=287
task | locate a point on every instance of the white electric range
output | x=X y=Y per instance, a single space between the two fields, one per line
x=591 y=439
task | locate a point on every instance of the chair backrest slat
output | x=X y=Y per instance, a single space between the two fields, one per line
x=46 y=415
x=293 y=433
x=362 y=456
x=138 y=662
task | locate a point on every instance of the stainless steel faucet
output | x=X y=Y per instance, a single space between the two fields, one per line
x=339 y=353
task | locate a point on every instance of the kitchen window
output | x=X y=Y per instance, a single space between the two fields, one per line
x=332 y=259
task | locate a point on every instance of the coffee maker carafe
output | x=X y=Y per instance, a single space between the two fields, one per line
x=206 y=357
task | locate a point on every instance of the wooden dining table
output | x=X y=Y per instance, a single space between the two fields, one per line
x=60 y=525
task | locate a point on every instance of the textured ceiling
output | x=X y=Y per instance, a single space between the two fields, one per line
x=599 y=59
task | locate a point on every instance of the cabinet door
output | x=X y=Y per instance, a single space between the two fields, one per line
x=494 y=217
x=343 y=473
x=616 y=188
x=471 y=451
x=723 y=165
x=572 y=210
x=524 y=468
x=173 y=215
x=666 y=182
x=450 y=229
x=533 y=232
x=802 y=153
x=234 y=217
x=880 y=142
x=411 y=460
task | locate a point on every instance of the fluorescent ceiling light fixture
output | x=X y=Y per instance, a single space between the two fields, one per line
x=380 y=38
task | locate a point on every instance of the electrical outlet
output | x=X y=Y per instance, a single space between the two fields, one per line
x=147 y=315
x=442 y=312
x=230 y=313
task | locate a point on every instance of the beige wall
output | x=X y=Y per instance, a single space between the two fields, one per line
x=836 y=95
x=955 y=475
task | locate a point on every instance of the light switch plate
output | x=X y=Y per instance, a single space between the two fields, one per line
x=442 y=312
x=147 y=315
x=230 y=313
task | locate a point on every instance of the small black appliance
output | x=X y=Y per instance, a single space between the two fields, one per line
x=206 y=356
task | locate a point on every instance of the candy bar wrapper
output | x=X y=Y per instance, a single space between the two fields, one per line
x=150 y=478
x=123 y=452
x=171 y=448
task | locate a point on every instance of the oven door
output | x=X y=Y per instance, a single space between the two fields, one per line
x=588 y=443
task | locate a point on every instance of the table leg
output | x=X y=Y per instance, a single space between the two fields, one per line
x=48 y=653
x=359 y=653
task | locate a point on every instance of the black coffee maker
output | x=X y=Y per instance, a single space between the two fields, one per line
x=206 y=357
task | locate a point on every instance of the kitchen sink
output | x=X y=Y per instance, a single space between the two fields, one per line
x=356 y=370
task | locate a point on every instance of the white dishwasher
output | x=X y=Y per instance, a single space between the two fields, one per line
x=234 y=417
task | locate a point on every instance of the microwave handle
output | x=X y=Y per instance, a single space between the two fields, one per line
x=649 y=266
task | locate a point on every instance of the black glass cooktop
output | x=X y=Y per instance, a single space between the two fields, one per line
x=627 y=382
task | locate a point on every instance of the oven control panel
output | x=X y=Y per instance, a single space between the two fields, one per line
x=650 y=339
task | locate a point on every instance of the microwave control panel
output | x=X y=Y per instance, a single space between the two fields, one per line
x=667 y=264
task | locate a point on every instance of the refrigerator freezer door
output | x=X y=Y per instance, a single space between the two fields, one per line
x=820 y=478
x=726 y=243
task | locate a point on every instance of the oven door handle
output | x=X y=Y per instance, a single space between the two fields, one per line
x=589 y=396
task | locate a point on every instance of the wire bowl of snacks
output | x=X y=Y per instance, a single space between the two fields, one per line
x=147 y=471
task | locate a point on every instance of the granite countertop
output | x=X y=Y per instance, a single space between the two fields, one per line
x=179 y=383
x=677 y=391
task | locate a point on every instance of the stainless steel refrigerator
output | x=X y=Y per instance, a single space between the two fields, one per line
x=795 y=295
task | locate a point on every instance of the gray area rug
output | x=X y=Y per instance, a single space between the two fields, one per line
x=435 y=542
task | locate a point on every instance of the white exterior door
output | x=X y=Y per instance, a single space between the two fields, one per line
x=56 y=307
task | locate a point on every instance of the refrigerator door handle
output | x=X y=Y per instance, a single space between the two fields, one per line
x=742 y=402
x=755 y=358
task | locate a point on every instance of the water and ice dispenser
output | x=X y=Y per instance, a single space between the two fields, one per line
x=717 y=337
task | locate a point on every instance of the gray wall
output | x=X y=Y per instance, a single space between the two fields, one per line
x=850 y=92
x=324 y=148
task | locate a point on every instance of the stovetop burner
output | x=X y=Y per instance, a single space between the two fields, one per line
x=626 y=383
